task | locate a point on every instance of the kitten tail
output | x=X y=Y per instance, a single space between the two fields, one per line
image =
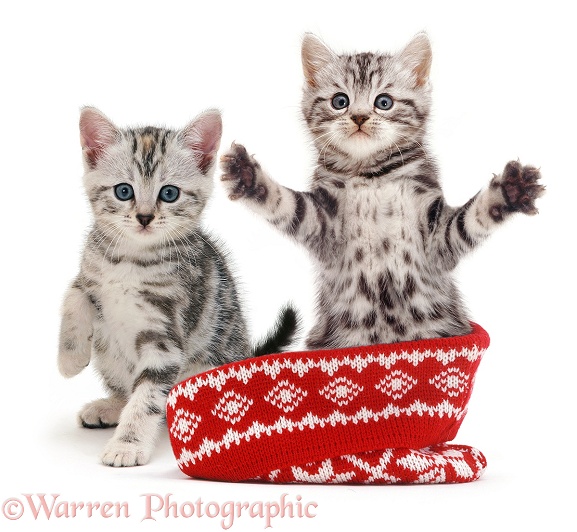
x=282 y=335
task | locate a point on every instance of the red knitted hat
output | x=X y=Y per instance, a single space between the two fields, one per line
x=375 y=414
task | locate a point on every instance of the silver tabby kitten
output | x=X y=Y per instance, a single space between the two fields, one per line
x=375 y=220
x=154 y=302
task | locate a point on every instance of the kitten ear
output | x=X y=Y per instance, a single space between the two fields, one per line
x=97 y=132
x=202 y=136
x=315 y=55
x=417 y=56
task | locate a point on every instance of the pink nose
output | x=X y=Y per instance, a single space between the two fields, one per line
x=359 y=119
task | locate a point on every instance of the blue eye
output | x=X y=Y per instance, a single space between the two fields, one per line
x=383 y=102
x=169 y=194
x=340 y=101
x=124 y=192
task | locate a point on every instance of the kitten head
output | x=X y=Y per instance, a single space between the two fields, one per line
x=360 y=105
x=148 y=185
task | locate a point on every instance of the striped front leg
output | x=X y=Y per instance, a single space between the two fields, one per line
x=308 y=217
x=455 y=231
x=141 y=419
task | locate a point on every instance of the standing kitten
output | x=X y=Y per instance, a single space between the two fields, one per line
x=384 y=240
x=154 y=302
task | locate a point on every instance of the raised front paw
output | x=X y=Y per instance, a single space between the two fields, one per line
x=241 y=174
x=520 y=187
x=73 y=356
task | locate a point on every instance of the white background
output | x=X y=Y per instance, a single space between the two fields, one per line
x=503 y=75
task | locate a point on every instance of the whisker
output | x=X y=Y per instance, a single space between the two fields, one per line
x=174 y=229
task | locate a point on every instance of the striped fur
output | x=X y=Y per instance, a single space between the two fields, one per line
x=155 y=301
x=384 y=240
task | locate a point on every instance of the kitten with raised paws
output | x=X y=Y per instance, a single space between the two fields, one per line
x=155 y=301
x=375 y=220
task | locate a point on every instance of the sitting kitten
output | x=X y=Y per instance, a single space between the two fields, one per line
x=384 y=240
x=154 y=302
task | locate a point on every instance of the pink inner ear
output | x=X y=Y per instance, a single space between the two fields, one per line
x=202 y=136
x=96 y=134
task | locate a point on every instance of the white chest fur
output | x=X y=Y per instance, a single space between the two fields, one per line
x=124 y=312
x=380 y=223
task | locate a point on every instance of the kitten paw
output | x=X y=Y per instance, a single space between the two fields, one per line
x=125 y=454
x=240 y=174
x=102 y=413
x=520 y=188
x=72 y=359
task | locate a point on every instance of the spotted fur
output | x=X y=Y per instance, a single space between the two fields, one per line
x=375 y=220
x=155 y=301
